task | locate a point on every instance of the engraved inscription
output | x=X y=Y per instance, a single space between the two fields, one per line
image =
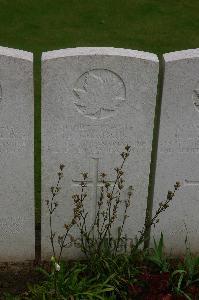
x=11 y=140
x=196 y=98
x=11 y=145
x=97 y=138
x=7 y=132
x=180 y=145
x=11 y=225
x=99 y=93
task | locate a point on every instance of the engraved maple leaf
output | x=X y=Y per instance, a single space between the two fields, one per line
x=99 y=95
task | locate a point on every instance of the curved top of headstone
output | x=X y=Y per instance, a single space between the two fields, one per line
x=179 y=55
x=4 y=51
x=98 y=51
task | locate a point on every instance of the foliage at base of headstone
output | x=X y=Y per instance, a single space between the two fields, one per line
x=108 y=256
x=150 y=275
x=111 y=269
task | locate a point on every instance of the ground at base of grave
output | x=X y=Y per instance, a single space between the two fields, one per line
x=14 y=277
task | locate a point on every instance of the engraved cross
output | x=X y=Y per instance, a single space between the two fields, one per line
x=95 y=182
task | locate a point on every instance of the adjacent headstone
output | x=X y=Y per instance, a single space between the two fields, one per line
x=17 y=237
x=178 y=152
x=94 y=102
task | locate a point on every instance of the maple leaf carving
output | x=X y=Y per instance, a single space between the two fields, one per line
x=100 y=93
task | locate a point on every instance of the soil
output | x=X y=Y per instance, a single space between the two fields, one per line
x=15 y=276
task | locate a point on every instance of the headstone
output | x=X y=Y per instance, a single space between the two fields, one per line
x=178 y=152
x=94 y=102
x=17 y=237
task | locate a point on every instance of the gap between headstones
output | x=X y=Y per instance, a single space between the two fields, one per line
x=154 y=147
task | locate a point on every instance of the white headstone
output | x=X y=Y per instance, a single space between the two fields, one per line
x=178 y=151
x=94 y=102
x=17 y=237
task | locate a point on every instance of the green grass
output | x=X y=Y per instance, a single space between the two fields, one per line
x=40 y=25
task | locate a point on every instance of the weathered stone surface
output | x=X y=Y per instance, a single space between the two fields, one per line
x=94 y=102
x=16 y=156
x=178 y=151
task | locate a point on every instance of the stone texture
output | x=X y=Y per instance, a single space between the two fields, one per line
x=16 y=153
x=178 y=151
x=94 y=102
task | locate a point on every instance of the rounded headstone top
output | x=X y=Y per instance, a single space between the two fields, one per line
x=108 y=51
x=15 y=53
x=179 y=55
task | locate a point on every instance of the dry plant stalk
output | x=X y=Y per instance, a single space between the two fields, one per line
x=155 y=219
x=98 y=237
x=93 y=237
x=52 y=205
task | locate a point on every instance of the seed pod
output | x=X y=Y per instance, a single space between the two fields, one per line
x=61 y=167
